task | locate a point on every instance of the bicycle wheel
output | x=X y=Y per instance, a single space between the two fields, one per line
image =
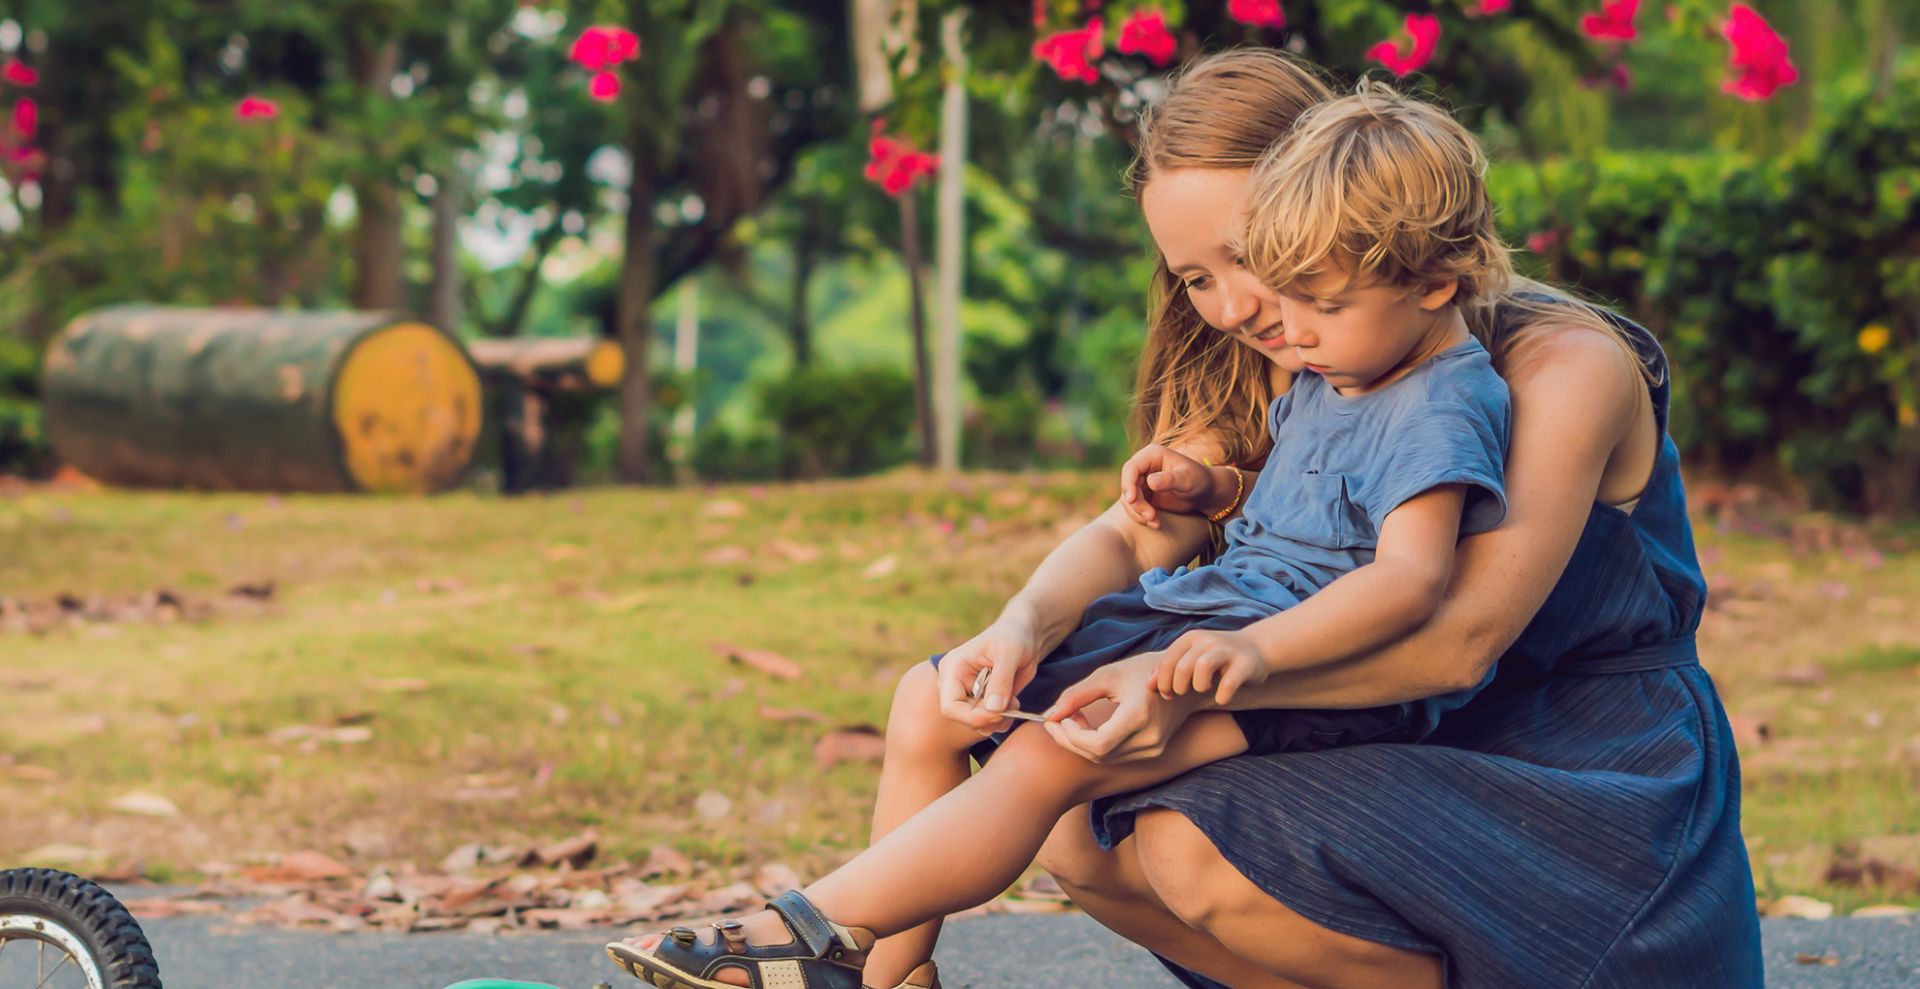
x=59 y=931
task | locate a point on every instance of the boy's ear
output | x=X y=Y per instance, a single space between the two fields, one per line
x=1439 y=294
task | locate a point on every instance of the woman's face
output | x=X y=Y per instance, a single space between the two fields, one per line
x=1196 y=215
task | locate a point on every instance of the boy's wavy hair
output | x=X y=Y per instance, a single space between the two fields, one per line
x=1389 y=190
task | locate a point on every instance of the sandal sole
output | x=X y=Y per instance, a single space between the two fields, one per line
x=654 y=972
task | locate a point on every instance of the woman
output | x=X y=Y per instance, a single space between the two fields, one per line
x=1573 y=820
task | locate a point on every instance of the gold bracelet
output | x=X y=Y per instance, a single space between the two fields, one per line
x=1239 y=488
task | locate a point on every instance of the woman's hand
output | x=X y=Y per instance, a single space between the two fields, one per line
x=1160 y=479
x=1138 y=721
x=1201 y=657
x=1010 y=650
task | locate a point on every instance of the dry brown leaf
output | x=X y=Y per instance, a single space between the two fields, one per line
x=161 y=907
x=858 y=743
x=790 y=714
x=712 y=805
x=1809 y=958
x=775 y=878
x=765 y=660
x=663 y=860
x=1802 y=907
x=723 y=508
x=576 y=851
x=882 y=567
x=1883 y=910
x=1804 y=675
x=299 y=867
x=726 y=556
x=145 y=804
x=794 y=552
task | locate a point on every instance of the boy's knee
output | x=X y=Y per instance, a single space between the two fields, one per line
x=915 y=721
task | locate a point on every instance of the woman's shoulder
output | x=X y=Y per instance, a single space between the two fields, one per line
x=1575 y=355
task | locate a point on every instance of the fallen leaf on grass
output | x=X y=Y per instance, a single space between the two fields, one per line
x=576 y=851
x=712 y=804
x=397 y=685
x=881 y=567
x=725 y=556
x=794 y=552
x=775 y=878
x=859 y=743
x=663 y=860
x=315 y=734
x=1850 y=868
x=790 y=714
x=162 y=907
x=145 y=804
x=1804 y=675
x=765 y=660
x=1809 y=958
x=723 y=508
x=1883 y=910
x=475 y=854
x=299 y=867
x=1802 y=907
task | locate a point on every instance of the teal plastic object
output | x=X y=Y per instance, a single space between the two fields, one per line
x=499 y=984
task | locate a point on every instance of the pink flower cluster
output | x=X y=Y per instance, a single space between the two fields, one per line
x=1614 y=22
x=894 y=165
x=1423 y=32
x=1145 y=33
x=599 y=50
x=256 y=107
x=16 y=141
x=1259 y=13
x=1071 y=53
x=1759 y=55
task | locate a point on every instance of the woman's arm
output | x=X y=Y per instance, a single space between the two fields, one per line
x=1576 y=396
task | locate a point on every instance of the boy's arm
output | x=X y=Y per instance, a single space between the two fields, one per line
x=1378 y=603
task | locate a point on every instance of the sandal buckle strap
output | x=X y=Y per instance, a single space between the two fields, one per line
x=808 y=925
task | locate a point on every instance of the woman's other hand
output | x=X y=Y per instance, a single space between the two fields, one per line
x=1010 y=651
x=1115 y=715
x=1160 y=479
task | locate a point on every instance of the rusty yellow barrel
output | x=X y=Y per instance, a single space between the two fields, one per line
x=261 y=400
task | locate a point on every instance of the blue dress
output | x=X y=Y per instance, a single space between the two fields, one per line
x=1575 y=825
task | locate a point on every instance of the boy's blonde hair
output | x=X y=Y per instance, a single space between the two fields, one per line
x=1383 y=188
x=1389 y=190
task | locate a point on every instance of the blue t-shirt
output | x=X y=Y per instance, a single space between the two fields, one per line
x=1339 y=466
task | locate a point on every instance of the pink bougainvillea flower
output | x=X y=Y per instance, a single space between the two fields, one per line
x=1759 y=55
x=600 y=47
x=1488 y=8
x=1259 y=13
x=254 y=106
x=19 y=73
x=1424 y=32
x=1039 y=13
x=1071 y=53
x=1619 y=77
x=1614 y=22
x=604 y=86
x=893 y=165
x=26 y=118
x=1145 y=33
x=1541 y=241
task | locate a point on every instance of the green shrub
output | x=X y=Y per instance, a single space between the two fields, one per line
x=832 y=422
x=1786 y=291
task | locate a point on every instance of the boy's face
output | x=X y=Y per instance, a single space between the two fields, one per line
x=1354 y=336
x=1196 y=215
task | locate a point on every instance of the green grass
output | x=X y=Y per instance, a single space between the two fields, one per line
x=567 y=647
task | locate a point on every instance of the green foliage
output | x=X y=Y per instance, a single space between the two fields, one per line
x=817 y=422
x=22 y=444
x=1784 y=288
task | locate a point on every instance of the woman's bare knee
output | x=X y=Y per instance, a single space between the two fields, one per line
x=1073 y=857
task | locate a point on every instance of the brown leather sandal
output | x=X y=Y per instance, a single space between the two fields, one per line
x=924 y=977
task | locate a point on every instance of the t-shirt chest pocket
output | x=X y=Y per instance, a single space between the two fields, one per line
x=1318 y=512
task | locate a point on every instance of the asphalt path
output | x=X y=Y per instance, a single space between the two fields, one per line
x=1057 y=951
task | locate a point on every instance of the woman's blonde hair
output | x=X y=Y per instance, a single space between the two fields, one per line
x=1376 y=178
x=1223 y=111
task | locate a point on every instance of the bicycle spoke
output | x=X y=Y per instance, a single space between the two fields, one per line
x=64 y=958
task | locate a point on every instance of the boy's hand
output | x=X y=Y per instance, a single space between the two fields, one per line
x=1202 y=659
x=1159 y=479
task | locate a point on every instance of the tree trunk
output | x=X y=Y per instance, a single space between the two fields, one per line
x=444 y=308
x=631 y=314
x=950 y=252
x=377 y=253
x=922 y=393
x=799 y=321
